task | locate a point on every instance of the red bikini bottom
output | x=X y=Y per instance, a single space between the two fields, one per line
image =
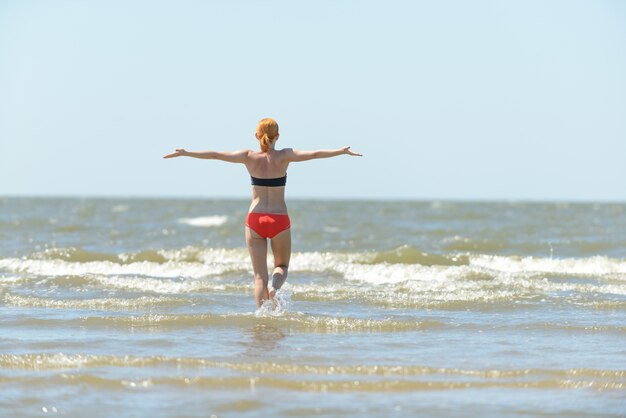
x=268 y=225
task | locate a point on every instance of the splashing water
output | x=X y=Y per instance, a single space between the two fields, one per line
x=277 y=307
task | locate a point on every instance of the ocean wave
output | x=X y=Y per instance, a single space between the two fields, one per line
x=294 y=321
x=373 y=278
x=411 y=255
x=570 y=327
x=74 y=254
x=5 y=279
x=50 y=268
x=60 y=361
x=205 y=221
x=408 y=297
x=167 y=286
x=440 y=295
x=189 y=254
x=334 y=384
x=150 y=285
x=459 y=287
x=597 y=265
x=167 y=269
x=107 y=303
x=464 y=244
x=319 y=261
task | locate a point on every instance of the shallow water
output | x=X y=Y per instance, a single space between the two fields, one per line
x=138 y=306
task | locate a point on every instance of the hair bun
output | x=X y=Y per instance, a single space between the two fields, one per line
x=267 y=131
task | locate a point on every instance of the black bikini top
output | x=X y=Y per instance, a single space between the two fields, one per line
x=276 y=182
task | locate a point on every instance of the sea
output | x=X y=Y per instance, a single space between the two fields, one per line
x=137 y=307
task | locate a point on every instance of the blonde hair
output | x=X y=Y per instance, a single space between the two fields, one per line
x=267 y=131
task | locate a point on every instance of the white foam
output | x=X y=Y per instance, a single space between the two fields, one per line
x=212 y=262
x=235 y=257
x=597 y=265
x=197 y=262
x=204 y=221
x=158 y=285
x=101 y=303
x=10 y=279
x=54 y=268
x=486 y=278
x=351 y=267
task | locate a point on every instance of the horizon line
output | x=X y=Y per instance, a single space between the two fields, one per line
x=326 y=198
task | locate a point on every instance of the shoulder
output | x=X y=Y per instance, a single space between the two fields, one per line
x=286 y=152
x=246 y=152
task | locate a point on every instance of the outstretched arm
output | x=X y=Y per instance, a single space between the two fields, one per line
x=231 y=157
x=296 y=155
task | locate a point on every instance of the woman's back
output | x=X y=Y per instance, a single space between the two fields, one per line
x=268 y=165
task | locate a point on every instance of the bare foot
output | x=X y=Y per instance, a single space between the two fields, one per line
x=272 y=293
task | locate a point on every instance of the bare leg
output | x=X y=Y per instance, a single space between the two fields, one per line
x=281 y=248
x=257 y=246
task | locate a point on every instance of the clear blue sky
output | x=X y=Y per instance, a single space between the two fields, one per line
x=446 y=99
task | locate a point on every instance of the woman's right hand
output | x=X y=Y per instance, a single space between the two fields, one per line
x=180 y=152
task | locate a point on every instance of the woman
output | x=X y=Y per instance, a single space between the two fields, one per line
x=267 y=217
